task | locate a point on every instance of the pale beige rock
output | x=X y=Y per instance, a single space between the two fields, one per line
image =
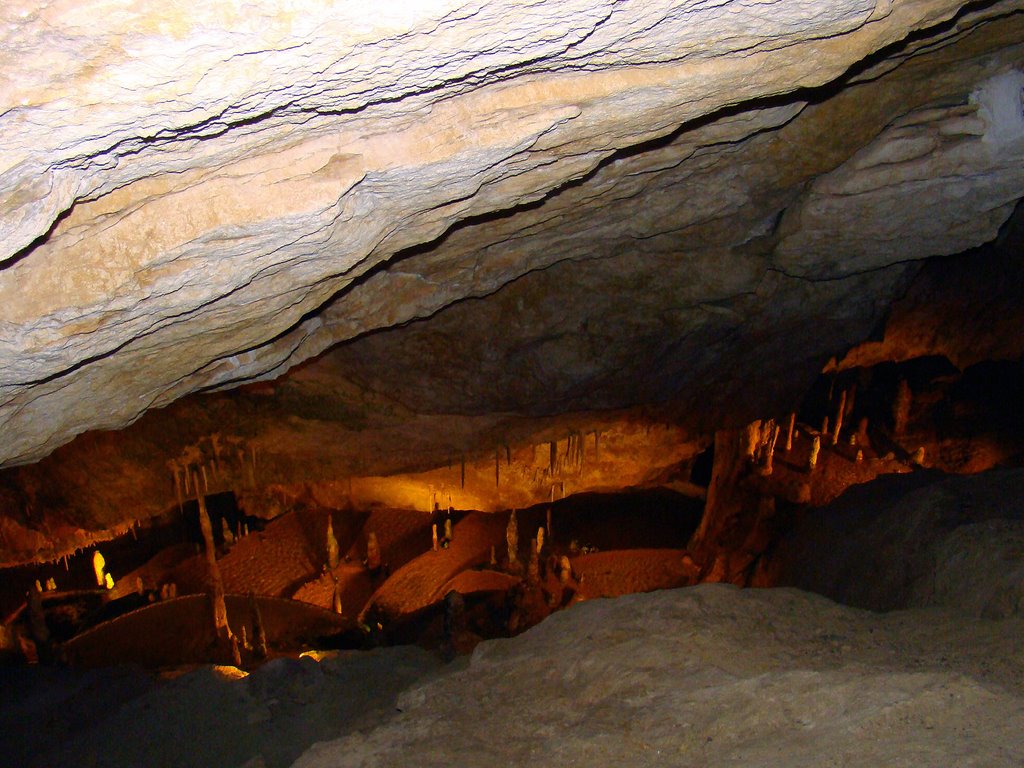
x=712 y=675
x=197 y=197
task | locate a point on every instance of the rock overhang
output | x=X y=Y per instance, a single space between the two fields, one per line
x=598 y=207
x=211 y=200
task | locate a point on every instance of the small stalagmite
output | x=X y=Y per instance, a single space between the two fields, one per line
x=789 y=432
x=337 y=598
x=862 y=432
x=512 y=539
x=108 y=581
x=533 y=569
x=433 y=536
x=259 y=634
x=229 y=537
x=372 y=551
x=901 y=408
x=564 y=570
x=840 y=412
x=812 y=461
x=448 y=531
x=98 y=564
x=769 y=454
x=333 y=551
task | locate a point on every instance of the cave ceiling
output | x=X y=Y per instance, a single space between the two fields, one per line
x=492 y=209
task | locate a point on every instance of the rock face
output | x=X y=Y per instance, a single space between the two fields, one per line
x=710 y=675
x=196 y=200
x=915 y=541
x=462 y=208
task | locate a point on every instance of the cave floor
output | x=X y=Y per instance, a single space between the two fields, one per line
x=706 y=675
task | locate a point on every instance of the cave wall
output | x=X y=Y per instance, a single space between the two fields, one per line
x=681 y=208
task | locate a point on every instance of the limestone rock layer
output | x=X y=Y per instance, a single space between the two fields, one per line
x=198 y=195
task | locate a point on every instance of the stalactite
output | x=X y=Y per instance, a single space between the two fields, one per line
x=551 y=536
x=494 y=557
x=789 y=431
x=840 y=412
x=540 y=540
x=337 y=597
x=824 y=427
x=206 y=481
x=220 y=611
x=851 y=399
x=188 y=480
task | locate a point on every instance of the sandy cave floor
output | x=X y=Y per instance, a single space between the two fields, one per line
x=708 y=675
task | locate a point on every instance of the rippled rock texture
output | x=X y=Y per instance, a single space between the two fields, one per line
x=478 y=208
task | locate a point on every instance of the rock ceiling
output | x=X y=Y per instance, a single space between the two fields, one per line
x=477 y=207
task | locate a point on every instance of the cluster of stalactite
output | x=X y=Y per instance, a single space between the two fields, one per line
x=214 y=463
